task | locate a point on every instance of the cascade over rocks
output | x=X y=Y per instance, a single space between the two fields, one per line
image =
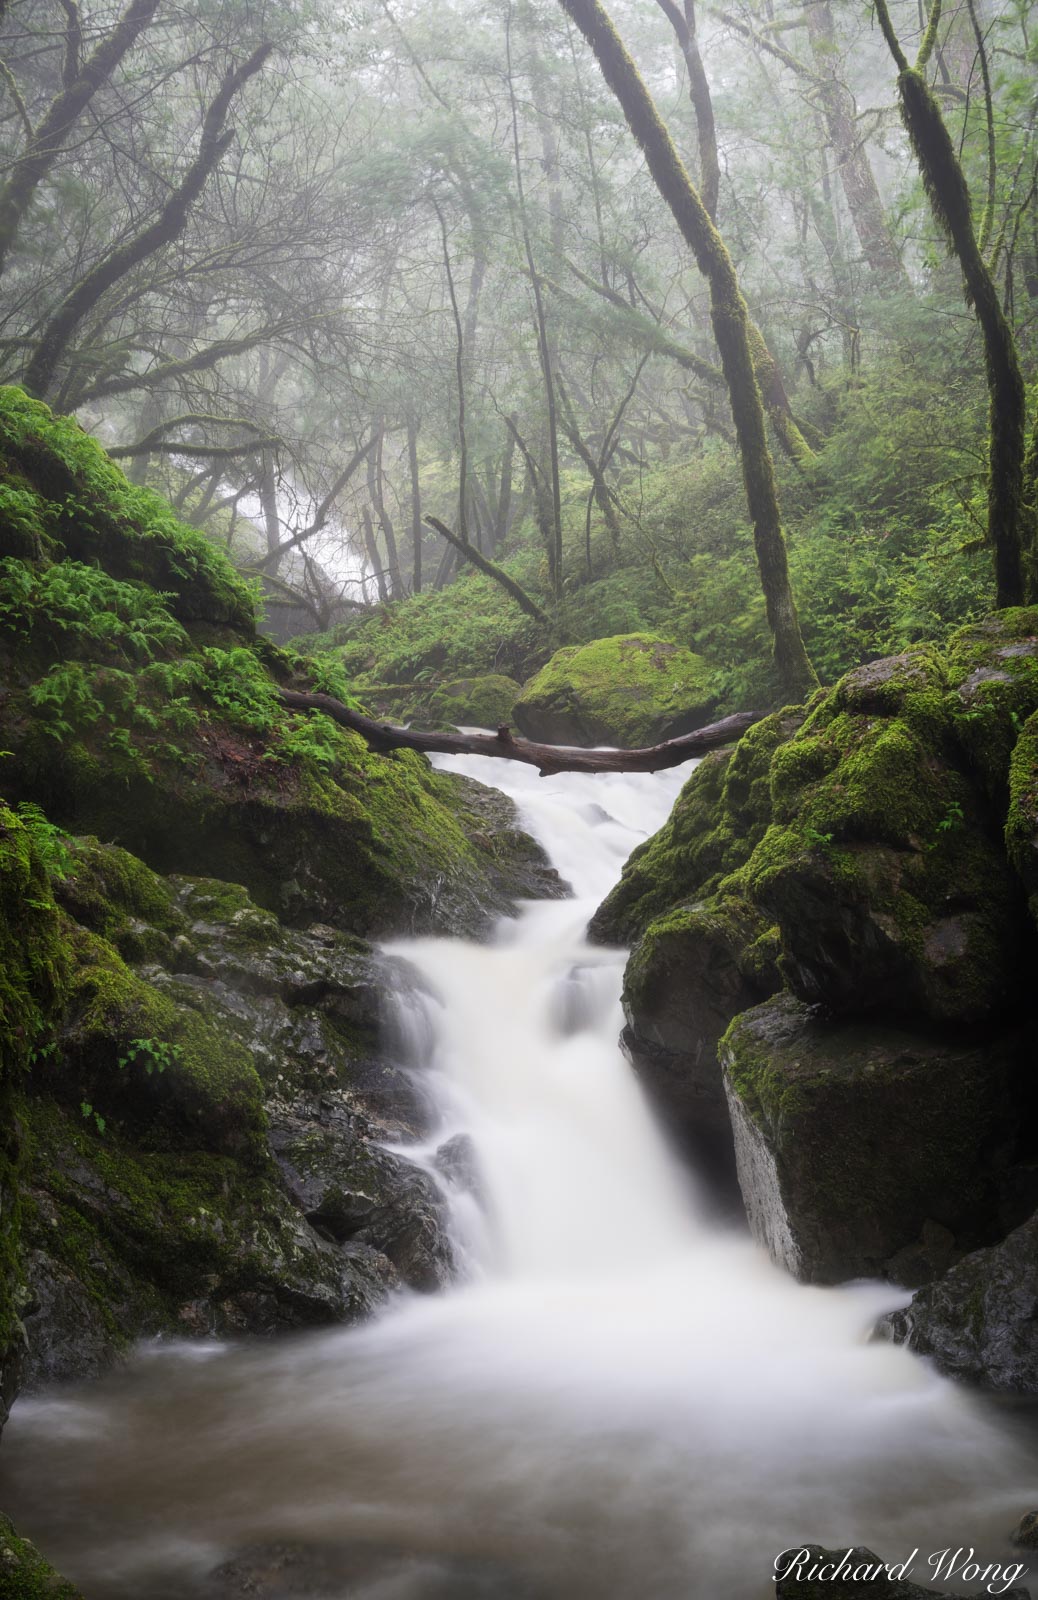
x=631 y=690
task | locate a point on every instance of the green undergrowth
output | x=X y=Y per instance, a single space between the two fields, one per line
x=141 y=707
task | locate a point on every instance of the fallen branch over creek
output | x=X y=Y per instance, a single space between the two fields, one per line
x=547 y=758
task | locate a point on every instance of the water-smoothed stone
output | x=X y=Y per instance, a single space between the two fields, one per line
x=979 y=1322
x=851 y=1138
x=630 y=690
x=811 y=1572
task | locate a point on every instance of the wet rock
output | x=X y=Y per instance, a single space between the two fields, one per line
x=1025 y=1533
x=815 y=1573
x=882 y=870
x=458 y=1161
x=979 y=1322
x=351 y=1190
x=691 y=973
x=851 y=1138
x=630 y=690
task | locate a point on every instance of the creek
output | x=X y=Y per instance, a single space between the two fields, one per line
x=620 y=1399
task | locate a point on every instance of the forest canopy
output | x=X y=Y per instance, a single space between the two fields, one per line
x=388 y=300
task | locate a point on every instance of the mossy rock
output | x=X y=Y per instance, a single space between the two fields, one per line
x=721 y=814
x=693 y=971
x=993 y=676
x=86 y=509
x=123 y=1242
x=482 y=702
x=851 y=1138
x=882 y=868
x=24 y=1574
x=1022 y=819
x=630 y=690
x=35 y=968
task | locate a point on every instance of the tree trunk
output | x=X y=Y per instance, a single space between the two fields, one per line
x=945 y=184
x=171 y=221
x=416 y=506
x=731 y=331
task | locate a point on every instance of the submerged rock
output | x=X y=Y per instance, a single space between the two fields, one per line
x=630 y=690
x=852 y=1137
x=979 y=1321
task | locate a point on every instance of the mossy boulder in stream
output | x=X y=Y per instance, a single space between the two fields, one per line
x=630 y=690
x=862 y=1146
x=487 y=701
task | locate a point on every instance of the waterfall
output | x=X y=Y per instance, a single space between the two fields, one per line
x=619 y=1399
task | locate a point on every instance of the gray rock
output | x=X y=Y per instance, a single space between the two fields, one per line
x=350 y=1189
x=979 y=1321
x=852 y=1138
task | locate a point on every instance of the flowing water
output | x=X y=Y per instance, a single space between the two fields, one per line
x=621 y=1400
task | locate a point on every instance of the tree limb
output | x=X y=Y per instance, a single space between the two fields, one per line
x=524 y=601
x=547 y=758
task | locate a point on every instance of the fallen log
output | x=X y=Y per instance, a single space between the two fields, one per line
x=547 y=758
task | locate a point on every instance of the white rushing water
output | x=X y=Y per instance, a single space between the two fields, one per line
x=621 y=1401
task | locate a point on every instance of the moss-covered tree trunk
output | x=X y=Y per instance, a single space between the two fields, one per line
x=731 y=330
x=1010 y=536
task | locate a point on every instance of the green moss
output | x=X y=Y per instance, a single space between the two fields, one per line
x=87 y=505
x=631 y=690
x=1022 y=820
x=719 y=817
x=190 y=1084
x=483 y=702
x=24 y=1574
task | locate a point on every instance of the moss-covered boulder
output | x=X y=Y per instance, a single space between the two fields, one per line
x=175 y=1058
x=721 y=814
x=693 y=971
x=992 y=669
x=978 y=1321
x=852 y=1138
x=884 y=869
x=630 y=690
x=487 y=701
x=24 y=1574
x=137 y=704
